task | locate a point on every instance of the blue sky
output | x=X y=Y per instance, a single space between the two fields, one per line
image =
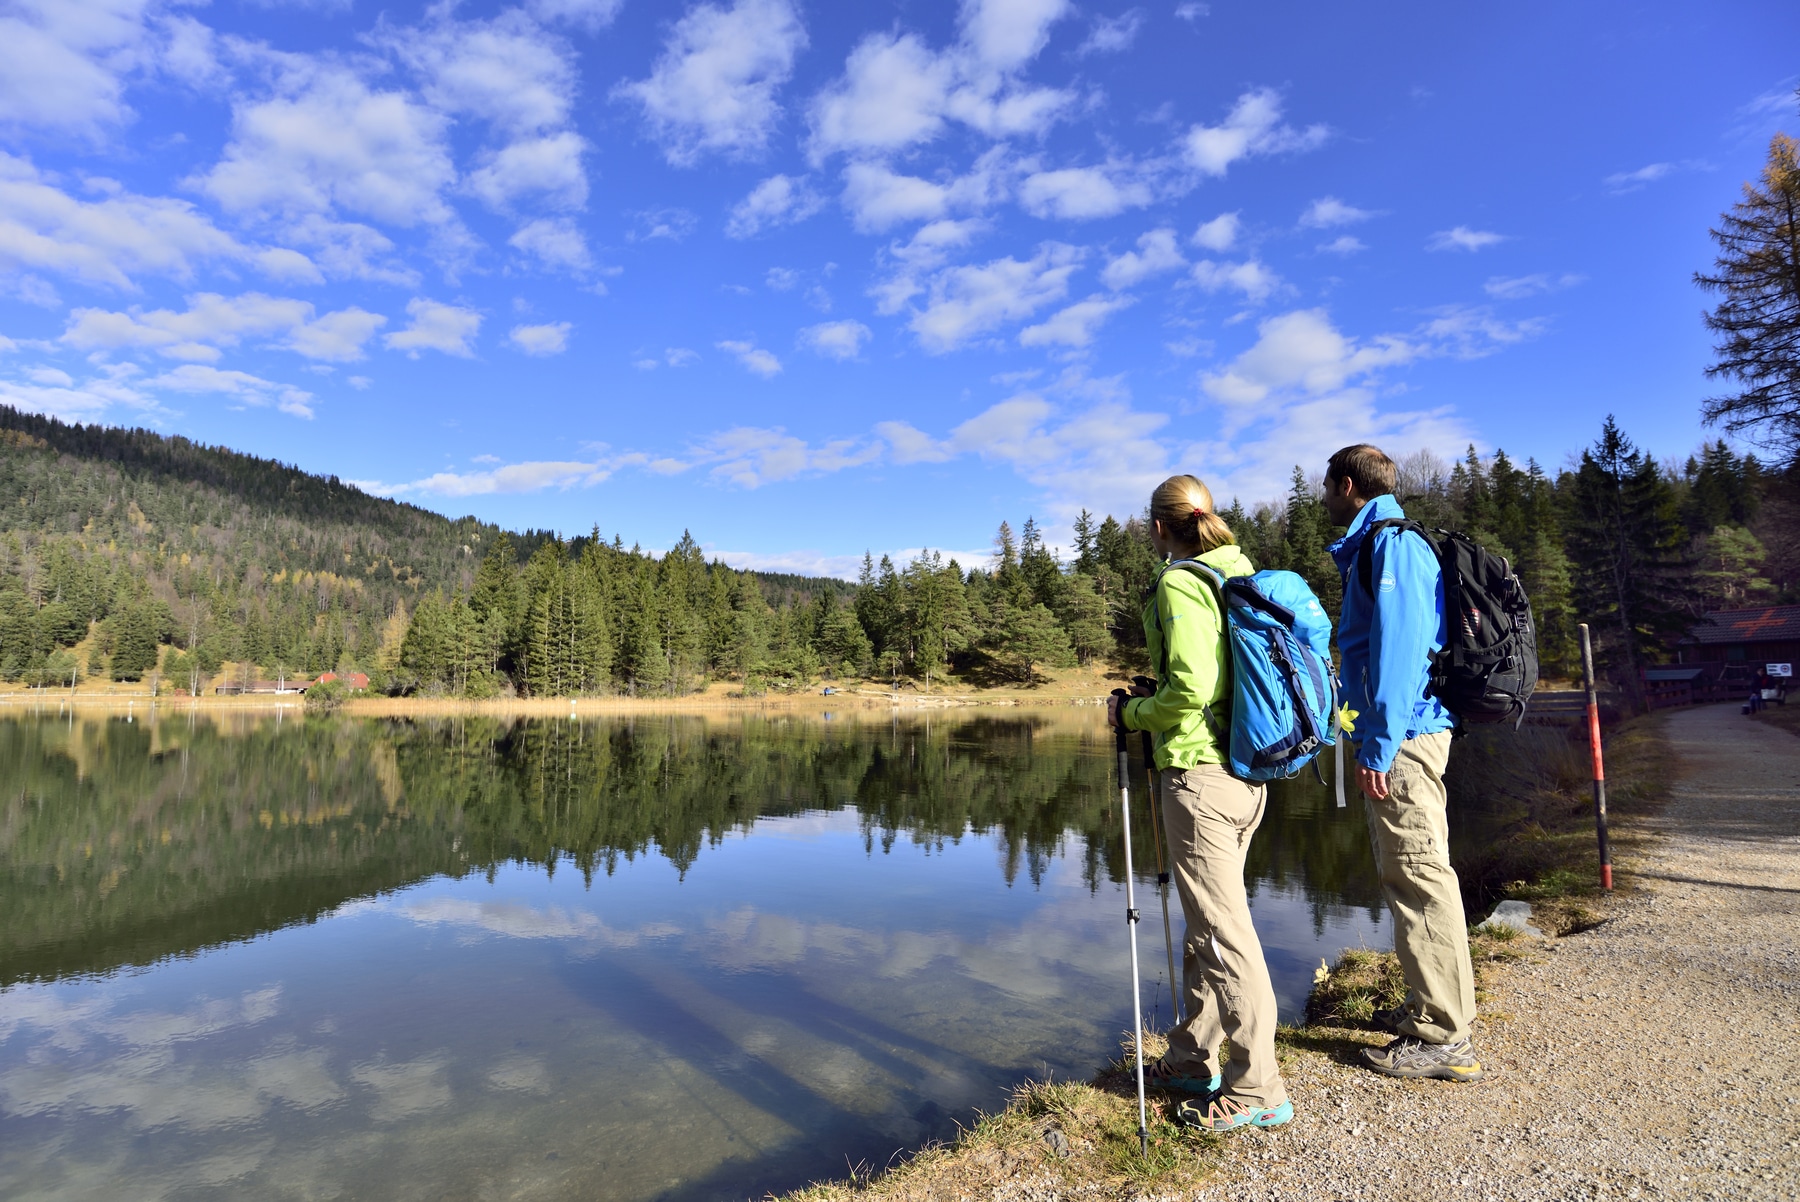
x=809 y=279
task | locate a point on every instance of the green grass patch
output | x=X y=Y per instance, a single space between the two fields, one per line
x=1782 y=717
x=1059 y=1136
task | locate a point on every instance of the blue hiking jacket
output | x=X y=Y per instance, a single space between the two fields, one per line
x=1387 y=640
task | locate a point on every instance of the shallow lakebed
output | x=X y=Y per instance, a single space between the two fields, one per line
x=629 y=958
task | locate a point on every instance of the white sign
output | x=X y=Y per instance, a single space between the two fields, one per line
x=1779 y=669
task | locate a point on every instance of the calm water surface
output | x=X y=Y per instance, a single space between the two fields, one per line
x=672 y=957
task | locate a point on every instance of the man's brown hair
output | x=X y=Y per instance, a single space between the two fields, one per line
x=1367 y=467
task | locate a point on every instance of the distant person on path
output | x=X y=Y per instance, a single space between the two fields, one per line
x=1209 y=816
x=1387 y=635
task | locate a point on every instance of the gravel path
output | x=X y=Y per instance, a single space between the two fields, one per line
x=1656 y=1056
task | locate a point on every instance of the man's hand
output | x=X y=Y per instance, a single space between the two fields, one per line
x=1371 y=782
x=1115 y=716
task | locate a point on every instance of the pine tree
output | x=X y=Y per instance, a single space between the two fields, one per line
x=1625 y=542
x=1087 y=548
x=1757 y=323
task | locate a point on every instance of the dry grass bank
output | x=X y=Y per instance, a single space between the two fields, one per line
x=1783 y=717
x=1073 y=686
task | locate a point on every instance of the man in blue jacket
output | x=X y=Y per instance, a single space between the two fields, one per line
x=1388 y=635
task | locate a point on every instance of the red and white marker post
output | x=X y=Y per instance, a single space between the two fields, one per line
x=1593 y=716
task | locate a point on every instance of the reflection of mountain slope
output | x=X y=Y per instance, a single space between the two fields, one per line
x=123 y=843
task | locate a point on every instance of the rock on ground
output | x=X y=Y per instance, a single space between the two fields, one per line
x=1655 y=1056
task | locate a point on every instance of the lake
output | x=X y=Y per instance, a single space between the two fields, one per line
x=652 y=958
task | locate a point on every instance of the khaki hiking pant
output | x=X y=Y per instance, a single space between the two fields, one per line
x=1209 y=816
x=1410 y=832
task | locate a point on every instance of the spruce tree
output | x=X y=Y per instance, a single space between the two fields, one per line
x=1625 y=541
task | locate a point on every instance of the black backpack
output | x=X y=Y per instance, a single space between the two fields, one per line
x=1488 y=668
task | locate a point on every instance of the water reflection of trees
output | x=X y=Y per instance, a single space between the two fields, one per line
x=124 y=842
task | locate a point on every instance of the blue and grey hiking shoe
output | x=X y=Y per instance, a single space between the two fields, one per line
x=1222 y=1112
x=1172 y=1076
x=1409 y=1057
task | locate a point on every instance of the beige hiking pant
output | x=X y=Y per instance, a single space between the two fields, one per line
x=1410 y=832
x=1209 y=816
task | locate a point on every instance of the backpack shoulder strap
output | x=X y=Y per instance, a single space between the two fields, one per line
x=1365 y=553
x=1207 y=573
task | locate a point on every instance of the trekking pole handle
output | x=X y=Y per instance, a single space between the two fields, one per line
x=1119 y=743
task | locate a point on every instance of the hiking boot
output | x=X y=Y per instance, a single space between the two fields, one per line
x=1222 y=1112
x=1409 y=1057
x=1170 y=1076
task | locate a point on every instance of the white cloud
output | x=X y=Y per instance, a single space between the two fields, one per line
x=1253 y=127
x=548 y=168
x=1303 y=390
x=436 y=327
x=325 y=141
x=507 y=71
x=1464 y=238
x=1076 y=325
x=588 y=15
x=84 y=401
x=713 y=88
x=1192 y=10
x=892 y=95
x=967 y=301
x=897 y=92
x=928 y=249
x=752 y=358
x=1519 y=287
x=116 y=239
x=879 y=198
x=212 y=321
x=1157 y=253
x=241 y=386
x=1301 y=351
x=778 y=200
x=548 y=339
x=836 y=339
x=1622 y=182
x=528 y=477
x=1218 y=234
x=1083 y=193
x=1251 y=278
x=750 y=456
x=63 y=63
x=1113 y=34
x=680 y=356
x=1473 y=332
x=667 y=224
x=1343 y=244
x=555 y=242
x=1328 y=211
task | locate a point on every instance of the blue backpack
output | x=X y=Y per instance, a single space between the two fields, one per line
x=1283 y=688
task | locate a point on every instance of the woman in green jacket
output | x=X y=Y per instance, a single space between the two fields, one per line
x=1209 y=816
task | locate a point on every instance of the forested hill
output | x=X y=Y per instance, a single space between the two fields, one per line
x=132 y=491
x=228 y=556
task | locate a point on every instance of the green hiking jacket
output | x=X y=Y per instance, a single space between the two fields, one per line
x=1199 y=663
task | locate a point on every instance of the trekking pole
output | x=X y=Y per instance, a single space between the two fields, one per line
x=1593 y=716
x=1162 y=872
x=1131 y=918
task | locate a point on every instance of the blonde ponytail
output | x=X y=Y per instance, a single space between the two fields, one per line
x=1184 y=505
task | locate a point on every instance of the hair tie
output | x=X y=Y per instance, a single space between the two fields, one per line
x=1197 y=511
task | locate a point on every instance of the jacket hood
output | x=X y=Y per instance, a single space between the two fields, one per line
x=1383 y=508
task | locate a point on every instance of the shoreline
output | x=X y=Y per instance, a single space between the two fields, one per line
x=1078 y=1139
x=551 y=707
